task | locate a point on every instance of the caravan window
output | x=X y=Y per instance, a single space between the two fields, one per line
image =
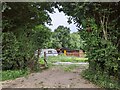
x=49 y=52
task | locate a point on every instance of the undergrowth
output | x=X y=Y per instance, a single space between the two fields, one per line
x=101 y=80
x=13 y=74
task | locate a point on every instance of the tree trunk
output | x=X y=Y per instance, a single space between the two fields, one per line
x=104 y=27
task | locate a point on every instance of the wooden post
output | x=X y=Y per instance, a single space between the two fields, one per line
x=45 y=59
x=65 y=52
x=38 y=53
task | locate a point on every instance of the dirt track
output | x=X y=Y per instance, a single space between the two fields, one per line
x=54 y=77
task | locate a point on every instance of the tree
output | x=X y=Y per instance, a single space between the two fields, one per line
x=75 y=41
x=19 y=20
x=62 y=36
x=41 y=36
x=24 y=14
x=100 y=22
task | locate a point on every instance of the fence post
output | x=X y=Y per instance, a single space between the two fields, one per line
x=45 y=59
x=38 y=53
x=65 y=52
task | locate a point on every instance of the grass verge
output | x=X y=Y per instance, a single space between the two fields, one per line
x=101 y=80
x=62 y=58
x=13 y=74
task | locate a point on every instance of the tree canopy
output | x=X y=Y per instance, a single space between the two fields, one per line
x=100 y=31
x=62 y=35
x=25 y=14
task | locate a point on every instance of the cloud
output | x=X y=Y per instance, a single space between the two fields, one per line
x=59 y=18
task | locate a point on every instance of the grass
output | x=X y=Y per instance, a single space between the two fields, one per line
x=13 y=74
x=41 y=60
x=69 y=68
x=62 y=58
x=102 y=80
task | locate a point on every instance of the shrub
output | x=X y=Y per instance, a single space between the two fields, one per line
x=101 y=79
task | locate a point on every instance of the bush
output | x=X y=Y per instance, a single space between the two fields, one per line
x=101 y=79
x=102 y=53
x=9 y=51
x=17 y=51
x=103 y=57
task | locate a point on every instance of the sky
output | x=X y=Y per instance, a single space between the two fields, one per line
x=59 y=18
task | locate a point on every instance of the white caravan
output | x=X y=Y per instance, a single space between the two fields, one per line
x=49 y=52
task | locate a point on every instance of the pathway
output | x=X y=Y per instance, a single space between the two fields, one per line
x=54 y=77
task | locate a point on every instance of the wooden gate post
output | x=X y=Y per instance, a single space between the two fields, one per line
x=45 y=59
x=38 y=53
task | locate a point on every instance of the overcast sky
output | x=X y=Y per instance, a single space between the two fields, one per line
x=58 y=19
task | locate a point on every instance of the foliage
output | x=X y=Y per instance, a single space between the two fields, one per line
x=76 y=43
x=62 y=37
x=19 y=48
x=101 y=53
x=9 y=49
x=27 y=14
x=15 y=54
x=41 y=36
x=101 y=80
x=20 y=35
x=98 y=25
x=13 y=74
